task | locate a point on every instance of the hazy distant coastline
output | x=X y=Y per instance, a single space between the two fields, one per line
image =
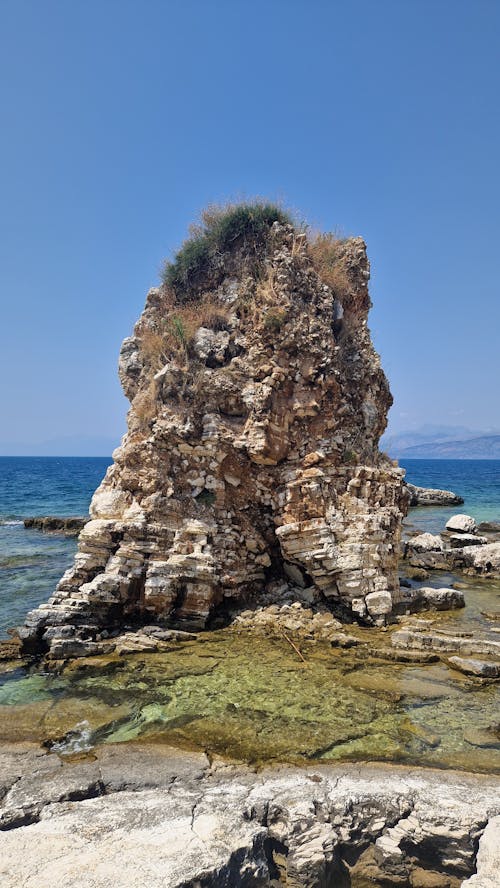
x=433 y=442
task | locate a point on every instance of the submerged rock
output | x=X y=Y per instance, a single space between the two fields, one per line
x=487 y=738
x=257 y=404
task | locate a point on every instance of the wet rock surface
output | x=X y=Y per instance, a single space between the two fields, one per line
x=54 y=524
x=163 y=817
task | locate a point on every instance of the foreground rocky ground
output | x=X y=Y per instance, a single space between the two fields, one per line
x=154 y=816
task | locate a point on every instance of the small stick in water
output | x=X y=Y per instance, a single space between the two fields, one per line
x=289 y=640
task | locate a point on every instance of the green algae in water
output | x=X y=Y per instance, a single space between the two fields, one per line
x=19 y=689
x=253 y=699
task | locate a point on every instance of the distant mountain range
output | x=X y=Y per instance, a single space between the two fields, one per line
x=434 y=442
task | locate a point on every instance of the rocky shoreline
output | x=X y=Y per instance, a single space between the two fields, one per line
x=462 y=546
x=155 y=816
x=247 y=539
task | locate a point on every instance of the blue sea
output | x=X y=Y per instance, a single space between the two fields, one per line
x=31 y=563
x=476 y=480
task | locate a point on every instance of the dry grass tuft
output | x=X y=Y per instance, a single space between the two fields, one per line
x=173 y=337
x=325 y=252
x=144 y=405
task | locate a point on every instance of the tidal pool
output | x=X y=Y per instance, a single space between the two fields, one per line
x=251 y=698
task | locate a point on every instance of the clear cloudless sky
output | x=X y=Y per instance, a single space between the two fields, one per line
x=121 y=119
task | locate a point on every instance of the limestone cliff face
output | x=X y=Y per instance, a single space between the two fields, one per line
x=251 y=455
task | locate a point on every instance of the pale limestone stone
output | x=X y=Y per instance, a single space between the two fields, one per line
x=160 y=817
x=461 y=524
x=426 y=542
x=109 y=503
x=488 y=858
x=379 y=604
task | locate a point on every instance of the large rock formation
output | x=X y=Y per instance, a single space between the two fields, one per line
x=257 y=404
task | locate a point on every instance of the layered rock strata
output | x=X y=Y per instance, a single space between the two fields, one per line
x=251 y=455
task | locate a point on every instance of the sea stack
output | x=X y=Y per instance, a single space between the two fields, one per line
x=251 y=456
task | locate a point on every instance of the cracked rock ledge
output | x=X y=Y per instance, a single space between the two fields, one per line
x=157 y=816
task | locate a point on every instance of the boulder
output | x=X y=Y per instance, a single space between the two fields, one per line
x=482 y=560
x=481 y=668
x=379 y=604
x=429 y=560
x=461 y=524
x=426 y=542
x=492 y=527
x=427 y=598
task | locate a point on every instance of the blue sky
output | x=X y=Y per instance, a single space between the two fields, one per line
x=120 y=120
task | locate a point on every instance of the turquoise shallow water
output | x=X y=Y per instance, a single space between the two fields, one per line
x=476 y=480
x=31 y=562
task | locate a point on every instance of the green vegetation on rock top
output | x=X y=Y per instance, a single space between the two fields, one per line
x=221 y=228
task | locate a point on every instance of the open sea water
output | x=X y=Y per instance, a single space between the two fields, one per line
x=31 y=562
x=476 y=480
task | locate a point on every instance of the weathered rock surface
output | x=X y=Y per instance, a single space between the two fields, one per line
x=52 y=524
x=481 y=668
x=428 y=598
x=488 y=858
x=161 y=817
x=492 y=527
x=251 y=454
x=459 y=540
x=427 y=496
x=438 y=640
x=461 y=524
x=425 y=542
x=468 y=553
x=480 y=559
